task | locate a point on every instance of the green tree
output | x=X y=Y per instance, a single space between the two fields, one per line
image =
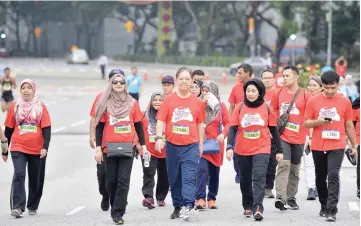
x=346 y=26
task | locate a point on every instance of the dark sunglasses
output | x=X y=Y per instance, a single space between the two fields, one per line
x=120 y=82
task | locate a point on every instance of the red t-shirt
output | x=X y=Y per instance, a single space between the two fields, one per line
x=121 y=130
x=279 y=80
x=92 y=110
x=28 y=140
x=253 y=136
x=294 y=132
x=181 y=116
x=356 y=118
x=212 y=132
x=149 y=139
x=270 y=96
x=237 y=94
x=332 y=136
x=341 y=70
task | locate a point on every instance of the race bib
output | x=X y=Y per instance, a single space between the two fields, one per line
x=28 y=128
x=122 y=129
x=294 y=127
x=253 y=135
x=331 y=134
x=182 y=130
x=7 y=87
x=151 y=138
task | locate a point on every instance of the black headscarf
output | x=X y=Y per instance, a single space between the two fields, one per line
x=199 y=84
x=262 y=92
x=151 y=113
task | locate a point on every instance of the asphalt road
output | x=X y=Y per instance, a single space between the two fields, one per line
x=71 y=192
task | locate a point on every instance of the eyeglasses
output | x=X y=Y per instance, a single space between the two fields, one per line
x=267 y=78
x=120 y=82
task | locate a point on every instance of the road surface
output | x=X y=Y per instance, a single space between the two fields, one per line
x=71 y=195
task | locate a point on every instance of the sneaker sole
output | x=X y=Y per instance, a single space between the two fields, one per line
x=148 y=204
x=330 y=219
x=270 y=197
x=279 y=205
x=16 y=215
x=294 y=208
x=200 y=207
x=213 y=207
x=258 y=217
x=311 y=198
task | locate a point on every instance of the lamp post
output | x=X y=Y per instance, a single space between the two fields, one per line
x=329 y=34
x=293 y=38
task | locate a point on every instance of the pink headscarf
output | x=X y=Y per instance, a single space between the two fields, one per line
x=28 y=111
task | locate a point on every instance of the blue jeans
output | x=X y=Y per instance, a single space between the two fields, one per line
x=182 y=162
x=205 y=169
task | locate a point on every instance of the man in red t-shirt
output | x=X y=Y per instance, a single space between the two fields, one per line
x=244 y=73
x=293 y=138
x=269 y=81
x=341 y=66
x=329 y=114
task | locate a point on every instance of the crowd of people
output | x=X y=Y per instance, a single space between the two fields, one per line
x=184 y=134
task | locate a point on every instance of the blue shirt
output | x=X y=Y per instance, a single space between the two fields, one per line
x=133 y=83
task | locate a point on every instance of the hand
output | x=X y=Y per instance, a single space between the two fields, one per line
x=159 y=145
x=229 y=154
x=5 y=158
x=144 y=149
x=220 y=138
x=354 y=153
x=43 y=153
x=98 y=155
x=139 y=149
x=279 y=157
x=205 y=98
x=92 y=141
x=321 y=120
x=4 y=147
x=201 y=150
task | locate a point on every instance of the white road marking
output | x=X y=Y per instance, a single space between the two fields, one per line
x=75 y=210
x=353 y=206
x=78 y=123
x=59 y=129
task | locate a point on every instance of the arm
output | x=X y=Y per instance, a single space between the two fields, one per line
x=140 y=132
x=8 y=133
x=350 y=131
x=47 y=136
x=231 y=136
x=99 y=134
x=92 y=132
x=160 y=126
x=200 y=131
x=313 y=123
x=225 y=121
x=276 y=138
x=2 y=135
x=14 y=83
x=231 y=109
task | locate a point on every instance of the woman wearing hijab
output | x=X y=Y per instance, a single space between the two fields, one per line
x=356 y=120
x=209 y=164
x=28 y=130
x=314 y=87
x=350 y=88
x=182 y=114
x=118 y=121
x=157 y=162
x=196 y=88
x=253 y=122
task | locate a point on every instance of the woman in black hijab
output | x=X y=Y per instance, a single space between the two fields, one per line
x=252 y=124
x=196 y=88
x=356 y=120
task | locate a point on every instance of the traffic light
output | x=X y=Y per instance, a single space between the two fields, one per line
x=129 y=26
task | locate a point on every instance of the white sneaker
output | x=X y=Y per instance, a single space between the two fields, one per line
x=181 y=213
x=189 y=214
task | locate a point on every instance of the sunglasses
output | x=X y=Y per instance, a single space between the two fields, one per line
x=120 y=82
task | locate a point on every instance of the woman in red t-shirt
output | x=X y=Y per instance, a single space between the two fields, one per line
x=118 y=120
x=209 y=165
x=253 y=122
x=157 y=162
x=28 y=131
x=182 y=113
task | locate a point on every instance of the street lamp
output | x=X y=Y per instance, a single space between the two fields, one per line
x=293 y=38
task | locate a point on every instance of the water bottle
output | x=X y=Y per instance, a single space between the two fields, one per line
x=146 y=158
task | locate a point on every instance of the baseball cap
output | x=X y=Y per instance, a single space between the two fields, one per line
x=168 y=79
x=115 y=71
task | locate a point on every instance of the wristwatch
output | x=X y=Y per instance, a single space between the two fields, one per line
x=4 y=141
x=229 y=146
x=355 y=146
x=157 y=138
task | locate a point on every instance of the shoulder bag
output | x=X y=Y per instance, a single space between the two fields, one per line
x=211 y=146
x=283 y=119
